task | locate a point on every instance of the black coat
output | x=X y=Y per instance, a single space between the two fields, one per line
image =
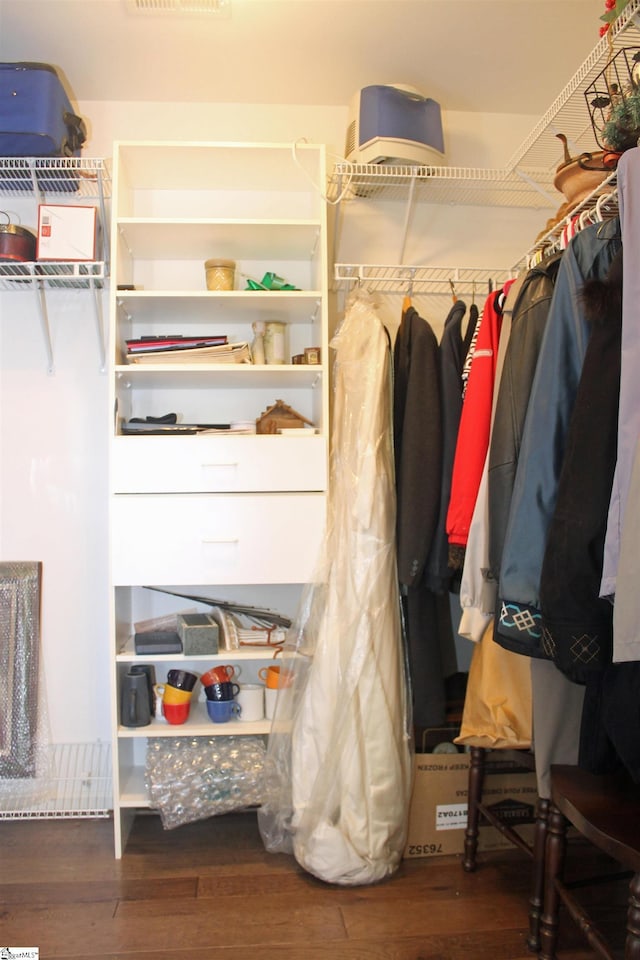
x=418 y=458
x=452 y=353
x=417 y=433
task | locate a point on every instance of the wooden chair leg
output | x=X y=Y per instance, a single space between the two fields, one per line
x=537 y=878
x=474 y=797
x=632 y=944
x=555 y=853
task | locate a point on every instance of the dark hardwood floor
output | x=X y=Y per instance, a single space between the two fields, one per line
x=210 y=891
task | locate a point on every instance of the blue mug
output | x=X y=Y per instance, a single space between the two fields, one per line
x=221 y=711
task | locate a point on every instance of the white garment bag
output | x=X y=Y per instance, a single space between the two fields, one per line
x=339 y=765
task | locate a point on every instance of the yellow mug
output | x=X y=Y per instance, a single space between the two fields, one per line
x=174 y=695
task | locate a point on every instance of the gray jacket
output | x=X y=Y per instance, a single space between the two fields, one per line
x=528 y=322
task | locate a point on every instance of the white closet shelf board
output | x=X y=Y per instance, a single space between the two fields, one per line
x=219 y=166
x=249 y=239
x=264 y=305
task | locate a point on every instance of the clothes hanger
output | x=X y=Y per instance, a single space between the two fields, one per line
x=453 y=291
x=585 y=219
x=407 y=301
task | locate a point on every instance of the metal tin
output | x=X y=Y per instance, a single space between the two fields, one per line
x=274 y=342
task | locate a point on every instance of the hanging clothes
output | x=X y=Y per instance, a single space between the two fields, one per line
x=528 y=322
x=338 y=770
x=454 y=348
x=628 y=177
x=477 y=591
x=588 y=256
x=557 y=701
x=577 y=624
x=497 y=707
x=417 y=438
x=473 y=434
x=417 y=420
x=626 y=610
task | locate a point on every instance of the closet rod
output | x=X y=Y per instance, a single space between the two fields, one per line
x=396 y=278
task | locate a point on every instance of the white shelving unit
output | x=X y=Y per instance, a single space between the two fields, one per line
x=26 y=182
x=211 y=513
x=525 y=181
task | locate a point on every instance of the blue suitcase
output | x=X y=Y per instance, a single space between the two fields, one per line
x=36 y=116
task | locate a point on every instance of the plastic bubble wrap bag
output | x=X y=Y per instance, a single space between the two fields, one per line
x=190 y=779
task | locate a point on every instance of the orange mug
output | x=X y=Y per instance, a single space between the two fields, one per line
x=218 y=674
x=274 y=677
x=270 y=676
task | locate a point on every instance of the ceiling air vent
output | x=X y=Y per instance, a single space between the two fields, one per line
x=220 y=7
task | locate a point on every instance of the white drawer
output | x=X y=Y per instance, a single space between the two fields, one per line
x=204 y=539
x=203 y=464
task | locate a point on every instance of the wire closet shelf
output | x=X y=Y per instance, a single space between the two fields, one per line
x=77 y=785
x=525 y=181
x=71 y=180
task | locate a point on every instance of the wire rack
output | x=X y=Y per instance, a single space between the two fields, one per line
x=70 y=180
x=74 y=178
x=526 y=181
x=452 y=185
x=568 y=113
x=13 y=276
x=527 y=178
x=78 y=786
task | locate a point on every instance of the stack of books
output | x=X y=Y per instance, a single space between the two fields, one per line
x=181 y=349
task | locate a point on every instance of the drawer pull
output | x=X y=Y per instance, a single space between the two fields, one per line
x=231 y=463
x=222 y=540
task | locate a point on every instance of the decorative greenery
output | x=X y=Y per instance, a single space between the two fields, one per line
x=612 y=10
x=622 y=129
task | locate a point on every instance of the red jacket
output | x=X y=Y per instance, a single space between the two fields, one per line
x=475 y=422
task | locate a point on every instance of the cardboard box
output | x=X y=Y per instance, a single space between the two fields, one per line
x=438 y=813
x=66 y=232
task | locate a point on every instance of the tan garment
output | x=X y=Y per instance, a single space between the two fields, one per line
x=497 y=708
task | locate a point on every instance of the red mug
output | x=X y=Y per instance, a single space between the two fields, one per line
x=218 y=674
x=176 y=712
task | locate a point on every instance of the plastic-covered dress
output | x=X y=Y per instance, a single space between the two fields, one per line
x=339 y=764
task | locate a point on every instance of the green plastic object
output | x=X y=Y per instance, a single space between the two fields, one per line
x=270 y=281
x=273 y=282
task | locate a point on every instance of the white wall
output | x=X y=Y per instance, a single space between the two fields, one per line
x=53 y=426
